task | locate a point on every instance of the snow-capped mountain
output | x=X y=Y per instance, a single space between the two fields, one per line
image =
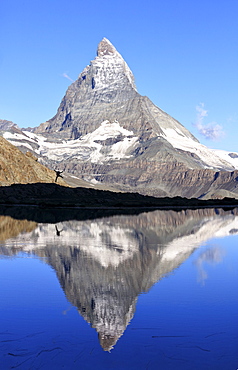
x=105 y=132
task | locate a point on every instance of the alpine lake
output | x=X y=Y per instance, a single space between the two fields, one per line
x=152 y=290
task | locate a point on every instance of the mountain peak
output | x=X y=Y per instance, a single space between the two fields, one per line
x=105 y=47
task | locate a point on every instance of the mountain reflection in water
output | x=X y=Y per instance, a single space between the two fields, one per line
x=104 y=264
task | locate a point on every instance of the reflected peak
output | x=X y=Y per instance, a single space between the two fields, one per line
x=107 y=341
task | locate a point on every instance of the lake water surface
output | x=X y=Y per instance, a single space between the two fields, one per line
x=157 y=290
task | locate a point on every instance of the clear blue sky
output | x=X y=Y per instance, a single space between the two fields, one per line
x=183 y=53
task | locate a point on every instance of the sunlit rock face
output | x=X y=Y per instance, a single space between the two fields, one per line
x=104 y=264
x=103 y=86
x=8 y=125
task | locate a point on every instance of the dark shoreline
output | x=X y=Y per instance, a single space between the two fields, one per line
x=54 y=195
x=60 y=214
x=54 y=203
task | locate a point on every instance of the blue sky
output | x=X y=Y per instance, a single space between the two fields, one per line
x=184 y=56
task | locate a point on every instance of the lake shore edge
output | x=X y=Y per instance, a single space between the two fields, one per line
x=56 y=196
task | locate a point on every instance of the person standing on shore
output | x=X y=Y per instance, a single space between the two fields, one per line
x=58 y=174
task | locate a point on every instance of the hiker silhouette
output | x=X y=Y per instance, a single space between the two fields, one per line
x=58 y=174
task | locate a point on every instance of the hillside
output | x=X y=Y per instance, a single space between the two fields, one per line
x=16 y=167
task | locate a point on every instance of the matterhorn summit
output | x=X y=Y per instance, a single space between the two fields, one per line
x=105 y=91
x=105 y=47
x=107 y=52
x=107 y=134
x=99 y=94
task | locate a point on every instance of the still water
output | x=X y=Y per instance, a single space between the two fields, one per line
x=157 y=290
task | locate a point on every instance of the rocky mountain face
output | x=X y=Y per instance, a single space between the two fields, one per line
x=106 y=133
x=16 y=167
x=104 y=264
x=6 y=125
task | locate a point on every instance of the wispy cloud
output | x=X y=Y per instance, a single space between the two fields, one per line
x=66 y=76
x=212 y=130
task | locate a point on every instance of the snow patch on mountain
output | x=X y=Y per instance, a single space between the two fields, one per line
x=94 y=146
x=230 y=157
x=110 y=141
x=97 y=140
x=212 y=158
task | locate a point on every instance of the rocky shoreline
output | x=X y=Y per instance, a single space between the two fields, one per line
x=55 y=195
